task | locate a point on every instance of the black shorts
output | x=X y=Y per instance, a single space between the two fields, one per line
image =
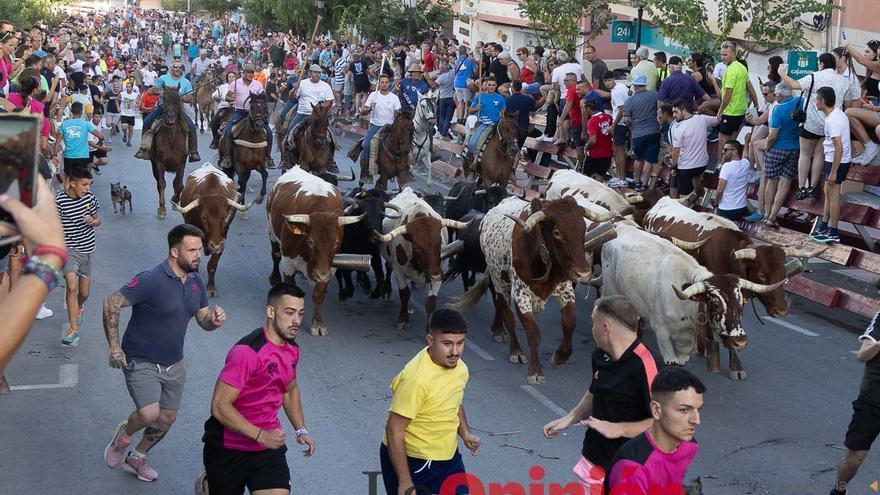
x=730 y=124
x=127 y=119
x=804 y=133
x=230 y=471
x=620 y=133
x=72 y=163
x=864 y=426
x=95 y=154
x=684 y=178
x=576 y=136
x=596 y=166
x=842 y=170
x=361 y=85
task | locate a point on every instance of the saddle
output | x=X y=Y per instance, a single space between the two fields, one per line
x=482 y=141
x=293 y=134
x=146 y=149
x=375 y=143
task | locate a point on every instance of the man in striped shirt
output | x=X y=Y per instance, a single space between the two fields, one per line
x=340 y=65
x=78 y=209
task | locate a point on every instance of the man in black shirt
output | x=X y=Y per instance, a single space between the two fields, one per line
x=617 y=405
x=865 y=424
x=522 y=104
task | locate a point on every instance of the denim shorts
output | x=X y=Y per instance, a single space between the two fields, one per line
x=647 y=148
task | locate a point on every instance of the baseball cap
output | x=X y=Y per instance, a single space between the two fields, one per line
x=314 y=68
x=675 y=60
x=248 y=68
x=640 y=79
x=39 y=54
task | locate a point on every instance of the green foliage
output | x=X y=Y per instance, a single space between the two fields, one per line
x=26 y=14
x=769 y=24
x=556 y=22
x=175 y=5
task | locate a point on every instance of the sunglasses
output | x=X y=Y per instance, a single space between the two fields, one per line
x=176 y=66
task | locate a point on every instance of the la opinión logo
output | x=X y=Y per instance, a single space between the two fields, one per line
x=476 y=486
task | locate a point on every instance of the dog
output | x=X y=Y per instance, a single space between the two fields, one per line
x=120 y=194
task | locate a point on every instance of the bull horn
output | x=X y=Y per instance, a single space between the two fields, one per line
x=634 y=198
x=547 y=261
x=693 y=290
x=360 y=262
x=793 y=267
x=479 y=192
x=185 y=209
x=350 y=219
x=350 y=209
x=596 y=281
x=452 y=249
x=238 y=206
x=529 y=223
x=745 y=254
x=687 y=245
x=391 y=235
x=760 y=288
x=298 y=218
x=596 y=217
x=455 y=224
x=598 y=236
x=453 y=198
x=803 y=253
x=688 y=200
x=392 y=206
x=345 y=178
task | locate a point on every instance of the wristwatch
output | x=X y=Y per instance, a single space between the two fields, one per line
x=302 y=431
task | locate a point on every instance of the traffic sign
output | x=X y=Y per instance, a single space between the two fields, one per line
x=801 y=64
x=623 y=32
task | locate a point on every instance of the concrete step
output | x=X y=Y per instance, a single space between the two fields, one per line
x=863 y=198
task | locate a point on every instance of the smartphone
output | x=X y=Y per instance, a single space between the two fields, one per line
x=19 y=159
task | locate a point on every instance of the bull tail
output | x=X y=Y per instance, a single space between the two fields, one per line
x=468 y=300
x=454 y=271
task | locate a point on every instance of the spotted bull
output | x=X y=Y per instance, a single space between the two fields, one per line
x=305 y=232
x=209 y=201
x=571 y=182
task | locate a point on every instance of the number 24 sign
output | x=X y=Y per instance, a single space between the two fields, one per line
x=623 y=32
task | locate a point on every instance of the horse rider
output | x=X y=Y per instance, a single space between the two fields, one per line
x=201 y=65
x=174 y=79
x=409 y=89
x=239 y=95
x=223 y=108
x=488 y=106
x=383 y=107
x=309 y=91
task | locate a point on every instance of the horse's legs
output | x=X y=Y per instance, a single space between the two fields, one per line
x=178 y=184
x=159 y=175
x=242 y=188
x=264 y=174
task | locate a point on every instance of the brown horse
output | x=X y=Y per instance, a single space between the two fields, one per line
x=248 y=149
x=203 y=103
x=499 y=156
x=392 y=157
x=169 y=150
x=314 y=146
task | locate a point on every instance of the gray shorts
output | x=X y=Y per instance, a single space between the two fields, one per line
x=149 y=383
x=79 y=263
x=463 y=94
x=337 y=87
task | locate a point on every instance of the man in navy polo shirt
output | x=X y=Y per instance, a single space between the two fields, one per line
x=163 y=300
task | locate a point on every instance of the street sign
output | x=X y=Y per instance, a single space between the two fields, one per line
x=801 y=64
x=623 y=32
x=469 y=8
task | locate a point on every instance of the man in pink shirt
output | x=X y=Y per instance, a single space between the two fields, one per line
x=656 y=461
x=244 y=442
x=239 y=95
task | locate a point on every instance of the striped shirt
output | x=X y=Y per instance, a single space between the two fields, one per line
x=339 y=71
x=78 y=235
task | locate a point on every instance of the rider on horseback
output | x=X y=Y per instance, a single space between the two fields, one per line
x=175 y=79
x=488 y=106
x=239 y=95
x=383 y=106
x=223 y=108
x=200 y=66
x=308 y=91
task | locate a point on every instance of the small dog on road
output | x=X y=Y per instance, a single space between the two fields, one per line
x=120 y=194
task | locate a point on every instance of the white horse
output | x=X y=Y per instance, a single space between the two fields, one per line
x=425 y=121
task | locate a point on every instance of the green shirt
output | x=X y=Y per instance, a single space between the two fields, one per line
x=736 y=77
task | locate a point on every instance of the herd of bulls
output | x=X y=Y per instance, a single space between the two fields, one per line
x=688 y=273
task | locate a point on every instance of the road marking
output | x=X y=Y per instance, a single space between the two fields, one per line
x=68 y=377
x=792 y=326
x=479 y=351
x=855 y=352
x=543 y=399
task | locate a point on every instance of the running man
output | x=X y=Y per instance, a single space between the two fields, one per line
x=420 y=449
x=244 y=442
x=163 y=300
x=130 y=103
x=75 y=131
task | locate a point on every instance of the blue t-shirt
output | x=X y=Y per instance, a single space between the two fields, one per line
x=464 y=70
x=409 y=92
x=522 y=105
x=183 y=85
x=215 y=33
x=291 y=82
x=600 y=102
x=788 y=129
x=76 y=137
x=492 y=105
x=193 y=51
x=161 y=308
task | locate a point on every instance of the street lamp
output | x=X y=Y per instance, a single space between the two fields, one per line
x=320 y=4
x=408 y=5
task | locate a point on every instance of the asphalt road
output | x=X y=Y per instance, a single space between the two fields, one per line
x=778 y=432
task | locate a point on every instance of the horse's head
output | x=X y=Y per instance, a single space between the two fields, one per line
x=508 y=131
x=320 y=124
x=171 y=104
x=259 y=111
x=402 y=131
x=427 y=108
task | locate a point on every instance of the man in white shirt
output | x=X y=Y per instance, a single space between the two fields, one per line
x=150 y=76
x=619 y=95
x=733 y=181
x=129 y=110
x=689 y=154
x=838 y=157
x=383 y=107
x=311 y=91
x=201 y=65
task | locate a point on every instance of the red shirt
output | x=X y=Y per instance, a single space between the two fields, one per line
x=574 y=115
x=599 y=125
x=429 y=61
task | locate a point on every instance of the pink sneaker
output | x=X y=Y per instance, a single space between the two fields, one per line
x=115 y=450
x=139 y=466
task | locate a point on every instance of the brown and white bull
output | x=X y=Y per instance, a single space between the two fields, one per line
x=685 y=303
x=534 y=251
x=570 y=182
x=209 y=201
x=305 y=231
x=414 y=246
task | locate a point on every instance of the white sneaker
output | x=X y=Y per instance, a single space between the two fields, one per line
x=544 y=138
x=871 y=150
x=44 y=313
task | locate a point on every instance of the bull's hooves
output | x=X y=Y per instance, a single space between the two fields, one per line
x=736 y=375
x=161 y=214
x=713 y=370
x=274 y=281
x=557 y=361
x=244 y=215
x=535 y=379
x=259 y=200
x=402 y=325
x=500 y=338
x=319 y=331
x=518 y=359
x=212 y=292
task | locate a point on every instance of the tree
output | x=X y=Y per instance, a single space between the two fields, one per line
x=26 y=14
x=387 y=21
x=557 y=22
x=769 y=24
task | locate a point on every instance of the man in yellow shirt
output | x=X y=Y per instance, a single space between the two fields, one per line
x=736 y=91
x=420 y=449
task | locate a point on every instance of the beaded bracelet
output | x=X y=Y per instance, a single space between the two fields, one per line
x=50 y=275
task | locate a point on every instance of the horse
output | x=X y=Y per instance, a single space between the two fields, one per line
x=248 y=149
x=497 y=162
x=203 y=103
x=395 y=148
x=313 y=143
x=424 y=120
x=169 y=150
